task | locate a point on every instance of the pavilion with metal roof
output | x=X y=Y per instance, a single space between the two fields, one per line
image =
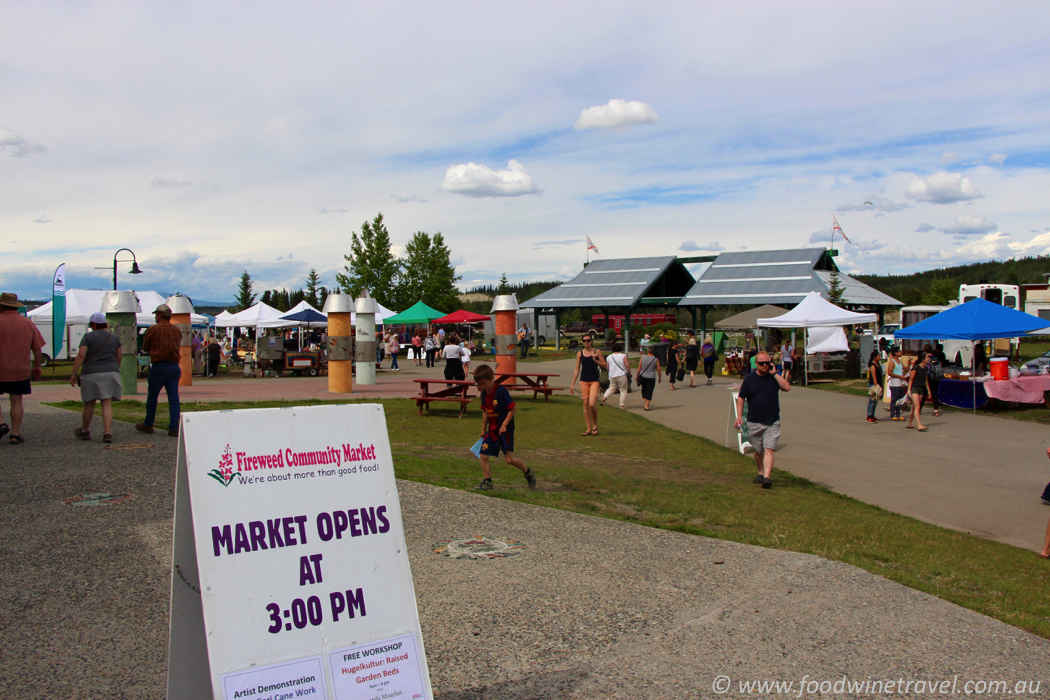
x=622 y=286
x=782 y=277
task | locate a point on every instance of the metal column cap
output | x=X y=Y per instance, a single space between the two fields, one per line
x=122 y=302
x=505 y=302
x=365 y=304
x=180 y=304
x=338 y=304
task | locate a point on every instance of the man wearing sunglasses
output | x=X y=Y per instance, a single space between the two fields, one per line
x=761 y=389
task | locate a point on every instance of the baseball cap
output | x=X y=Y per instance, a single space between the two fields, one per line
x=98 y=318
x=164 y=308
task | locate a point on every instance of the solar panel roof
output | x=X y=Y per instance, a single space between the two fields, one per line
x=608 y=283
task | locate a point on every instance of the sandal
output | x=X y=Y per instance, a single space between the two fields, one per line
x=585 y=434
x=4 y=429
x=936 y=413
x=923 y=430
x=82 y=434
x=594 y=432
x=16 y=439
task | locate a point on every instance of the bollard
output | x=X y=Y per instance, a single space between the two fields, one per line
x=340 y=358
x=120 y=309
x=366 y=309
x=181 y=308
x=505 y=307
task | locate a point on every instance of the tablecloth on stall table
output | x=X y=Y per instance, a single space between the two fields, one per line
x=1019 y=389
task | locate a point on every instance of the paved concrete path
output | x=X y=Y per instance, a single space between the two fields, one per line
x=590 y=609
x=977 y=474
x=974 y=473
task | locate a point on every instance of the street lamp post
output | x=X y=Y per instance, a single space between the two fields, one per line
x=134 y=265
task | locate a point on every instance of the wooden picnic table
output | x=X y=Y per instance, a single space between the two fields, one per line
x=457 y=392
x=536 y=382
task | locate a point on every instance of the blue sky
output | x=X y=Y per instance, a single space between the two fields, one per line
x=212 y=138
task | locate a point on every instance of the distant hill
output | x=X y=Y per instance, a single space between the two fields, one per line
x=479 y=299
x=940 y=285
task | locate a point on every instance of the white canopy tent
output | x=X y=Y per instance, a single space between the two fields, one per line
x=250 y=317
x=817 y=312
x=282 y=322
x=81 y=303
x=831 y=339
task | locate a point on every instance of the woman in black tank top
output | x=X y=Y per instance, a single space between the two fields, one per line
x=917 y=388
x=588 y=362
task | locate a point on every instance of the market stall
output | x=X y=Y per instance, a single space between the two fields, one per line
x=816 y=312
x=975 y=321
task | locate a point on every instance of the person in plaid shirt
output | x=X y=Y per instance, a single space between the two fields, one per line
x=19 y=338
x=162 y=342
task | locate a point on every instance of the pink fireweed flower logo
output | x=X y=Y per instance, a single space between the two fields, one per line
x=224 y=474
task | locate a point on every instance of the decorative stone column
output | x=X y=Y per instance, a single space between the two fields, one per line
x=366 y=309
x=120 y=309
x=340 y=358
x=505 y=307
x=181 y=308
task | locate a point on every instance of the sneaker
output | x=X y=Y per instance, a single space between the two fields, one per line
x=173 y=433
x=767 y=483
x=143 y=428
x=82 y=434
x=869 y=419
x=107 y=437
x=530 y=476
x=757 y=479
x=485 y=485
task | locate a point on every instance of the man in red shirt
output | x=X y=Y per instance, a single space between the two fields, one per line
x=19 y=338
x=162 y=342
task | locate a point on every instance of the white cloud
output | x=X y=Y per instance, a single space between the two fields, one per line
x=949 y=158
x=42 y=220
x=998 y=158
x=874 y=203
x=407 y=197
x=690 y=246
x=616 y=114
x=923 y=228
x=18 y=146
x=475 y=180
x=971 y=225
x=556 y=244
x=942 y=188
x=823 y=236
x=162 y=182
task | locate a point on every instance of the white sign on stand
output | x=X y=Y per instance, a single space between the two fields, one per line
x=290 y=575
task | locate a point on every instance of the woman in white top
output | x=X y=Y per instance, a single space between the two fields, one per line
x=787 y=359
x=453 y=355
x=619 y=375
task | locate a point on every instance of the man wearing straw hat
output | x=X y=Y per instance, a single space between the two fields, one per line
x=19 y=337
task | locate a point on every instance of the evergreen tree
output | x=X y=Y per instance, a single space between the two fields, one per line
x=370 y=264
x=296 y=296
x=245 y=297
x=267 y=298
x=428 y=274
x=835 y=289
x=323 y=298
x=504 y=285
x=313 y=289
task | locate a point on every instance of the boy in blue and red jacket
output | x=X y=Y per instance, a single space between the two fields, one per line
x=497 y=432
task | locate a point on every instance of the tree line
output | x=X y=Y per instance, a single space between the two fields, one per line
x=424 y=273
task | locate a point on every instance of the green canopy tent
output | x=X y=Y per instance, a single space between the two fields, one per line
x=420 y=313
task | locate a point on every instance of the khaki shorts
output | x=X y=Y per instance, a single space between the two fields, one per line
x=763 y=437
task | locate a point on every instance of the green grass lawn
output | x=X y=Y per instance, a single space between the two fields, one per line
x=642 y=472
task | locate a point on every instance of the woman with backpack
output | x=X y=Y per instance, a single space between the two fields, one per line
x=707 y=351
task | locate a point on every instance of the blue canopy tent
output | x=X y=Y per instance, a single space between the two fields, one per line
x=975 y=320
x=306 y=317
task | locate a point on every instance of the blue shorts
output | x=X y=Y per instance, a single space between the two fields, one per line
x=492 y=447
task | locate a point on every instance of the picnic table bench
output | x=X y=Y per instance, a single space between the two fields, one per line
x=533 y=381
x=456 y=393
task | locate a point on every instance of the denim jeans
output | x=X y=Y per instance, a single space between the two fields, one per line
x=873 y=403
x=393 y=361
x=896 y=394
x=163 y=375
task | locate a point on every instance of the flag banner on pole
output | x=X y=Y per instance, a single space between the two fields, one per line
x=58 y=310
x=838 y=229
x=591 y=246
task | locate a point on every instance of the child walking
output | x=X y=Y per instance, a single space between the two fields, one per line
x=497 y=431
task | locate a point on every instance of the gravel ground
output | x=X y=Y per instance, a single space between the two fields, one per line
x=591 y=608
